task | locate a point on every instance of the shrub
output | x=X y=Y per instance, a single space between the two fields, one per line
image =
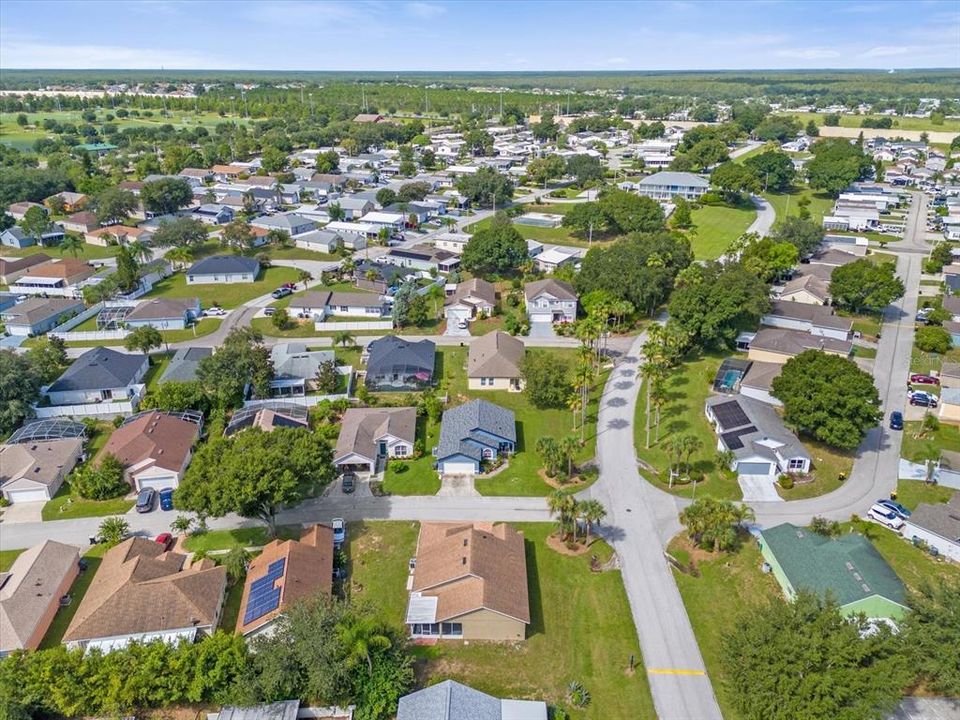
x=822 y=526
x=786 y=481
x=398 y=466
x=933 y=339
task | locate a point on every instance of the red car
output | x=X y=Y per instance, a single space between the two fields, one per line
x=165 y=539
x=290 y=286
x=919 y=379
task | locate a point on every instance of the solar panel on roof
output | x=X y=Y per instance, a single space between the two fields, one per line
x=264 y=596
x=730 y=414
x=734 y=439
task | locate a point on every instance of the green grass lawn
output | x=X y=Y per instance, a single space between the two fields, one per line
x=231 y=605
x=716 y=227
x=294 y=253
x=581 y=627
x=65 y=506
x=920 y=446
x=89 y=252
x=481 y=326
x=828 y=464
x=914 y=566
x=927 y=362
x=729 y=584
x=786 y=203
x=557 y=235
x=419 y=478
x=899 y=123
x=7 y=557
x=61 y=621
x=239 y=537
x=228 y=295
x=911 y=493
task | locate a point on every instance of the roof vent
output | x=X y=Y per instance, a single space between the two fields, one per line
x=463 y=560
x=866 y=588
x=849 y=566
x=464 y=542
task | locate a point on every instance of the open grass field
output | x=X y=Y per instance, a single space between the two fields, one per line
x=899 y=123
x=239 y=537
x=785 y=204
x=89 y=252
x=919 y=446
x=716 y=227
x=228 y=295
x=581 y=628
x=555 y=236
x=911 y=493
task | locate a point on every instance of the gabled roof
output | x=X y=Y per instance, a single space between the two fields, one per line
x=555 y=288
x=794 y=342
x=474 y=288
x=183 y=365
x=292 y=360
x=141 y=588
x=749 y=427
x=29 y=588
x=461 y=427
x=496 y=355
x=390 y=351
x=64 y=269
x=153 y=438
x=468 y=567
x=100 y=368
x=35 y=309
x=817 y=315
x=163 y=309
x=816 y=286
x=224 y=264
x=44 y=462
x=307 y=570
x=362 y=428
x=849 y=566
x=675 y=178
x=942 y=519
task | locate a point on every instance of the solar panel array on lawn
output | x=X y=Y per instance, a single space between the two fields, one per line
x=264 y=593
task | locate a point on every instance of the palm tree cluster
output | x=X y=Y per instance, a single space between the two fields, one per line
x=662 y=351
x=715 y=524
x=571 y=512
x=679 y=450
x=558 y=455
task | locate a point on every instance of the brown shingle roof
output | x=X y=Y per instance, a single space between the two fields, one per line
x=818 y=287
x=11 y=265
x=556 y=288
x=361 y=428
x=44 y=461
x=308 y=569
x=141 y=588
x=495 y=355
x=472 y=566
x=66 y=269
x=155 y=438
x=475 y=287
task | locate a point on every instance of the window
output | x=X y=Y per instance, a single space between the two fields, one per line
x=400 y=451
x=796 y=464
x=455 y=629
x=487 y=454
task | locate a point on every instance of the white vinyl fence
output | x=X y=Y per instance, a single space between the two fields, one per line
x=359 y=325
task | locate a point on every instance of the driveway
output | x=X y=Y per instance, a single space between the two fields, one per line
x=22 y=512
x=758 y=488
x=542 y=330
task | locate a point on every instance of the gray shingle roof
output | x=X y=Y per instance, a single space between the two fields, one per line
x=459 y=428
x=100 y=368
x=183 y=365
x=292 y=361
x=675 y=178
x=390 y=351
x=942 y=519
x=762 y=423
x=449 y=700
x=224 y=264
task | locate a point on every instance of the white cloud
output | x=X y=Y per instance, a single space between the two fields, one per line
x=425 y=10
x=810 y=53
x=21 y=53
x=886 y=51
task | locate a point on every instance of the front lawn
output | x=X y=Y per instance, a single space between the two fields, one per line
x=61 y=621
x=7 y=557
x=419 y=477
x=377 y=555
x=89 y=252
x=717 y=226
x=785 y=204
x=729 y=584
x=911 y=493
x=65 y=506
x=828 y=464
x=226 y=295
x=258 y=536
x=919 y=447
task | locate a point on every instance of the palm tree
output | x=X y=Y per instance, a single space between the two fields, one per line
x=304 y=276
x=592 y=511
x=347 y=266
x=236 y=562
x=113 y=530
x=371 y=275
x=72 y=244
x=361 y=636
x=689 y=446
x=435 y=293
x=139 y=251
x=344 y=338
x=563 y=505
x=574 y=404
x=180 y=256
x=182 y=524
x=672 y=447
x=568 y=448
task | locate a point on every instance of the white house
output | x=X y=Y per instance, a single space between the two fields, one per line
x=100 y=375
x=938 y=526
x=550 y=301
x=814 y=319
x=667 y=185
x=223 y=269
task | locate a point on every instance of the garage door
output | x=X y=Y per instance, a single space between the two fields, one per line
x=541 y=318
x=753 y=468
x=458 y=314
x=459 y=468
x=17 y=496
x=159 y=483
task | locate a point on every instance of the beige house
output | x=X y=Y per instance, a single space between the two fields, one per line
x=469 y=583
x=34 y=471
x=808 y=289
x=472 y=299
x=30 y=593
x=117 y=235
x=776 y=345
x=155 y=447
x=494 y=362
x=949 y=411
x=369 y=436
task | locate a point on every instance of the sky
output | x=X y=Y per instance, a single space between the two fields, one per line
x=480 y=36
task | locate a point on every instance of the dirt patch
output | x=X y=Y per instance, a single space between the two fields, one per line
x=574 y=482
x=696 y=554
x=559 y=546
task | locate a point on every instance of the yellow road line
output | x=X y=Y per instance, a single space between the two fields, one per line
x=674 y=671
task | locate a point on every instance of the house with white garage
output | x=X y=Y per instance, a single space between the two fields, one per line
x=753 y=431
x=164 y=313
x=355 y=235
x=155 y=447
x=937 y=525
x=37 y=315
x=817 y=320
x=223 y=269
x=472 y=433
x=550 y=301
x=100 y=375
x=34 y=471
x=473 y=298
x=370 y=436
x=322 y=304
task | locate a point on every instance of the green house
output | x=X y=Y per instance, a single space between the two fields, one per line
x=848 y=567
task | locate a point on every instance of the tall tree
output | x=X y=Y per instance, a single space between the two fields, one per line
x=864 y=285
x=180 y=232
x=773 y=169
x=715 y=524
x=128 y=271
x=20 y=381
x=802 y=233
x=546 y=378
x=114 y=205
x=144 y=338
x=497 y=248
x=836 y=164
x=35 y=223
x=166 y=196
x=486 y=188
x=628 y=213
x=241 y=359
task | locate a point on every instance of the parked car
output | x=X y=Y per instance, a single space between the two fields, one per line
x=214 y=312
x=166 y=499
x=923 y=399
x=895 y=507
x=885 y=516
x=920 y=379
x=349 y=482
x=462 y=324
x=146 y=500
x=896 y=420
x=281 y=292
x=269 y=311
x=165 y=539
x=289 y=286
x=339 y=531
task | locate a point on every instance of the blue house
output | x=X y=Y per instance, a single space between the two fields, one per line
x=15 y=237
x=472 y=433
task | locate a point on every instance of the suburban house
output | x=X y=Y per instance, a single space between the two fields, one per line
x=938 y=526
x=469 y=583
x=379 y=277
x=808 y=289
x=229 y=172
x=392 y=221
x=757 y=381
x=118 y=235
x=450 y=700
x=37 y=315
x=454 y=242
x=394 y=364
x=668 y=185
x=223 y=269
x=494 y=362
x=848 y=567
x=155 y=447
x=34 y=471
x=551 y=260
x=214 y=214
x=423 y=257
x=13 y=268
x=472 y=299
x=472 y=433
x=81 y=222
x=19 y=209
x=812 y=319
x=753 y=431
x=550 y=301
x=72 y=201
x=291 y=223
x=100 y=375
x=268 y=416
x=284 y=572
x=142 y=593
x=164 y=313
x=184 y=363
x=56 y=277
x=779 y=345
x=30 y=593
x=321 y=241
x=321 y=304
x=369 y=436
x=353 y=208
x=15 y=237
x=949 y=409
x=295 y=368
x=355 y=234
